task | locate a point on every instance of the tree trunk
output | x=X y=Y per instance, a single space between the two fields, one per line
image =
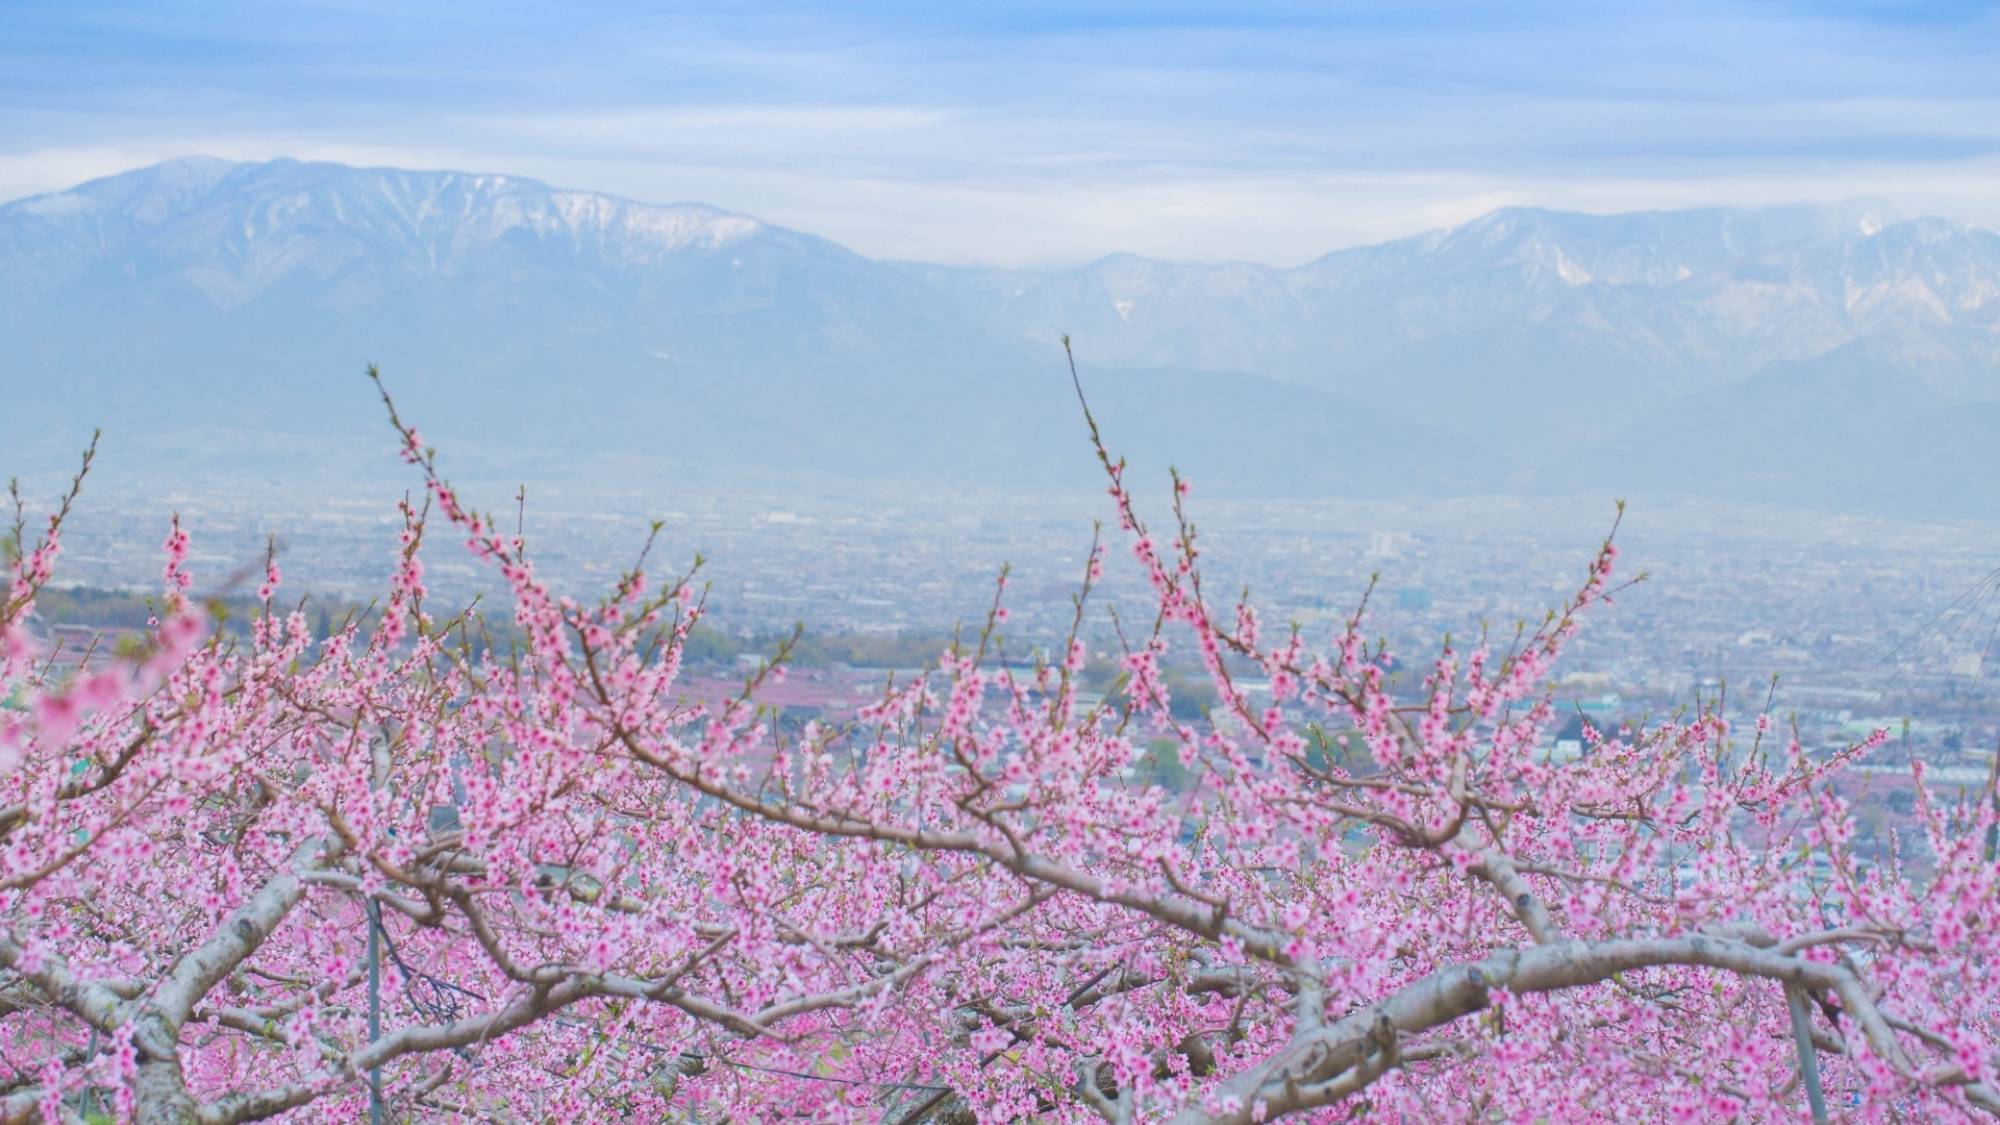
x=160 y=1098
x=159 y=1094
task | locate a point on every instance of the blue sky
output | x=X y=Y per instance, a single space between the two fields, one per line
x=1044 y=133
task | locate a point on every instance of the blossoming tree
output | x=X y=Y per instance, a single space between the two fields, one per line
x=375 y=873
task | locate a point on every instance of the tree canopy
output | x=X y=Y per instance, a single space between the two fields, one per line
x=295 y=872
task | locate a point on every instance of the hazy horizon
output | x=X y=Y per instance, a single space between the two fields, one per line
x=1876 y=203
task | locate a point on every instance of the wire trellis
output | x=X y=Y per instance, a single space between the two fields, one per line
x=1955 y=645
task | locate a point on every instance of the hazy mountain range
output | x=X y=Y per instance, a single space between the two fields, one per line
x=1825 y=355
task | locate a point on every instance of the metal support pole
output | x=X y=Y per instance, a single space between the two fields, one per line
x=1993 y=797
x=374 y=1008
x=1795 y=999
x=90 y=1092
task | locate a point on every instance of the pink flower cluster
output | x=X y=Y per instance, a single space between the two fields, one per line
x=586 y=899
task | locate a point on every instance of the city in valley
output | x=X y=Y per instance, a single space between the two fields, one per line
x=1841 y=624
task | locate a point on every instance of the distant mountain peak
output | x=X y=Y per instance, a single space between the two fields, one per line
x=143 y=195
x=196 y=166
x=240 y=228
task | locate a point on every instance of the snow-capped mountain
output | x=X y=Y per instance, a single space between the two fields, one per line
x=1577 y=320
x=234 y=229
x=1724 y=351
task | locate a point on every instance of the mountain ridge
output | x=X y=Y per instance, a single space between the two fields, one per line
x=1523 y=345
